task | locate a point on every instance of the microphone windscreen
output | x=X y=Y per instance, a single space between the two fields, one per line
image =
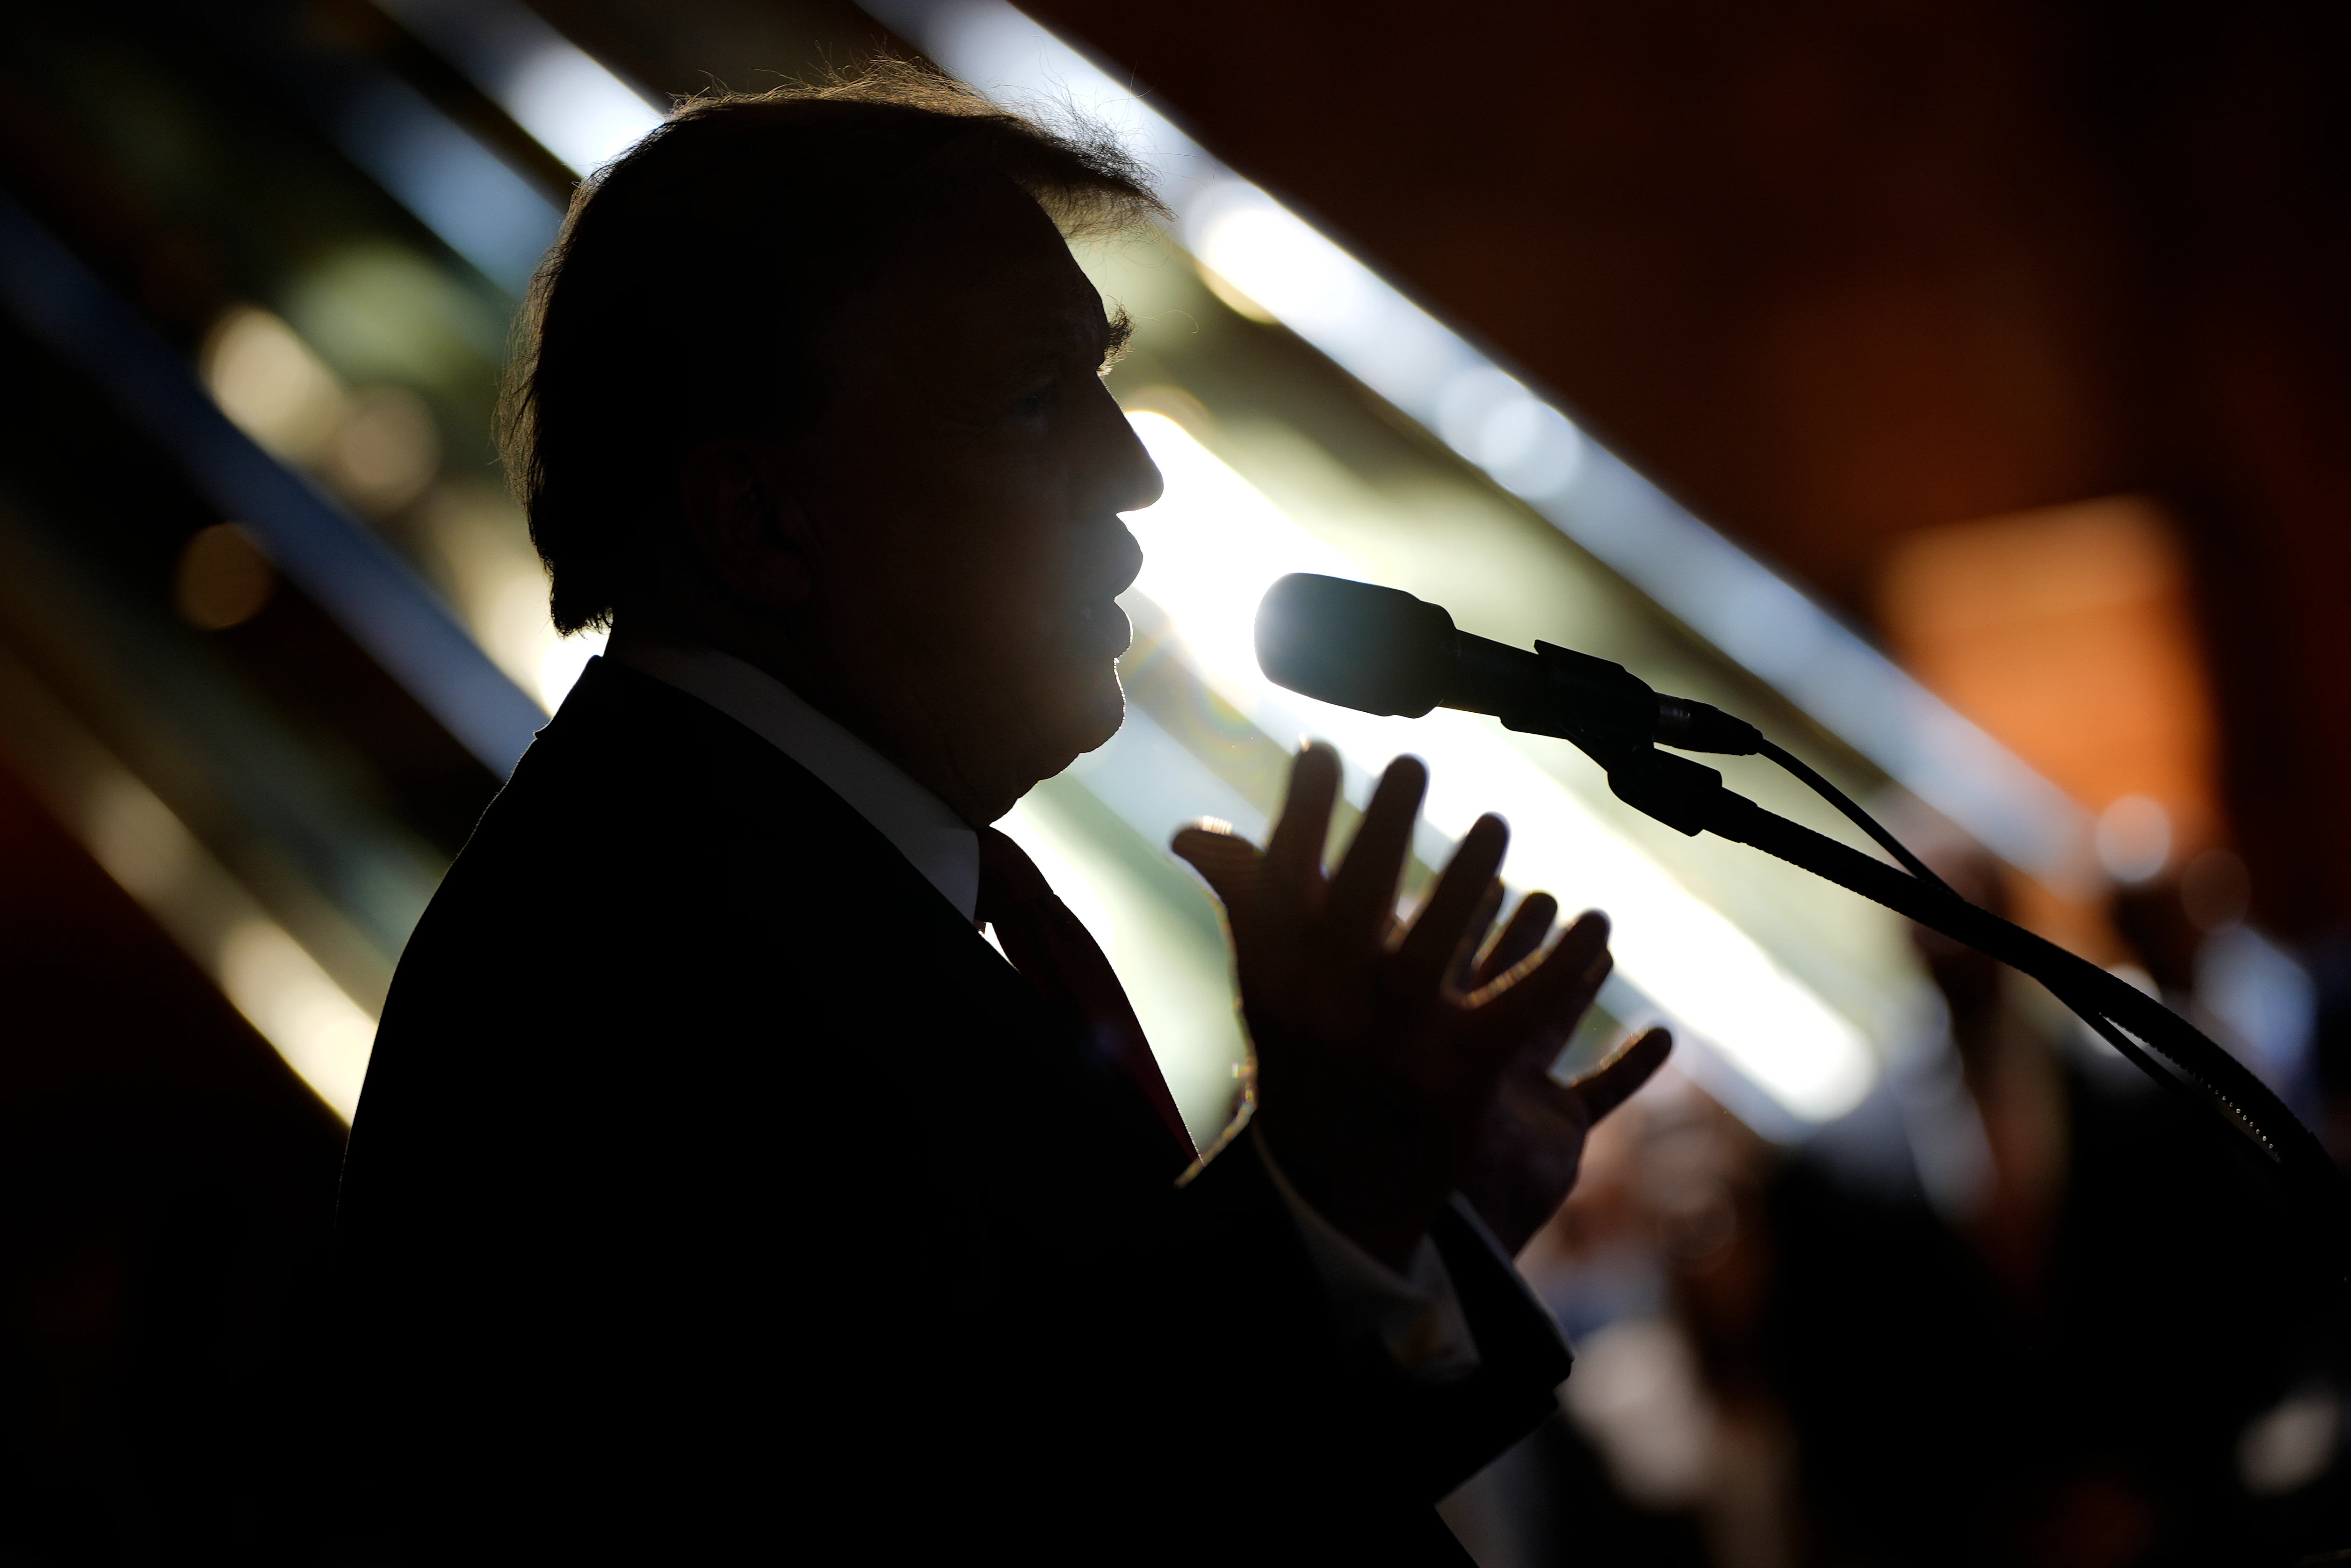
x=1361 y=646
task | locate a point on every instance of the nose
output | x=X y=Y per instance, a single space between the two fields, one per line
x=1139 y=480
x=1119 y=477
x=1130 y=480
x=1139 y=484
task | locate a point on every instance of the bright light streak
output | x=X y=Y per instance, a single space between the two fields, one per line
x=296 y=1006
x=568 y=101
x=1383 y=339
x=1211 y=548
x=997 y=49
x=322 y=1034
x=458 y=188
x=1495 y=422
x=1324 y=294
x=573 y=107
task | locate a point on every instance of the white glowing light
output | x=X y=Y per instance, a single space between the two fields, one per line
x=559 y=667
x=292 y=1002
x=569 y=102
x=999 y=51
x=1495 y=422
x=1323 y=294
x=1314 y=287
x=1285 y=265
x=1211 y=548
x=572 y=106
x=1062 y=862
x=322 y=1034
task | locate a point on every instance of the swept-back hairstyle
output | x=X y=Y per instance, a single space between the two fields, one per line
x=695 y=275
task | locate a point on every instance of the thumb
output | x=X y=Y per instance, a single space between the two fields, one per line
x=1612 y=1082
x=1227 y=862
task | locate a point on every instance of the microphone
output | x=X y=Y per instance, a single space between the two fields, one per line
x=1381 y=651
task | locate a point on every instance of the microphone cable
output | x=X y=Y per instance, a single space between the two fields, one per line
x=1804 y=774
x=2166 y=1047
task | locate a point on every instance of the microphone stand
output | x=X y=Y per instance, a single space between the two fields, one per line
x=1691 y=798
x=1381 y=651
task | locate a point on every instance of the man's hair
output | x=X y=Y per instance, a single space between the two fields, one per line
x=695 y=274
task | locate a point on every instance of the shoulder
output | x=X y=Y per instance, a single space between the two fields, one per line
x=628 y=757
x=655 y=867
x=637 y=796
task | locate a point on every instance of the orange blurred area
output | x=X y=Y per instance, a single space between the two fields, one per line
x=2070 y=635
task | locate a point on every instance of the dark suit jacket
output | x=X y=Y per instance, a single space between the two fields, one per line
x=716 y=1186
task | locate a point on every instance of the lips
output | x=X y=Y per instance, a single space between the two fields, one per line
x=1103 y=629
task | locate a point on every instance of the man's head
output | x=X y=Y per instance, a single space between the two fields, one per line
x=813 y=378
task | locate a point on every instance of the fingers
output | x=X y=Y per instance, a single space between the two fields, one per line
x=1612 y=1082
x=1227 y=862
x=1529 y=923
x=1362 y=895
x=1463 y=976
x=1294 y=853
x=1437 y=933
x=1548 y=999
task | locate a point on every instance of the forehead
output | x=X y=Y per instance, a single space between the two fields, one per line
x=981 y=282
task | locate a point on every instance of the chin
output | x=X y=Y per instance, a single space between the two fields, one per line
x=1085 y=719
x=1052 y=729
x=1107 y=712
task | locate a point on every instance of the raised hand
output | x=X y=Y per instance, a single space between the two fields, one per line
x=1379 y=1051
x=1524 y=1162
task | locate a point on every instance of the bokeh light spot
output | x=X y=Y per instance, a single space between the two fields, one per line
x=223 y=579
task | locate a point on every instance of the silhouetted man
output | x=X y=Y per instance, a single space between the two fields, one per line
x=717 y=1187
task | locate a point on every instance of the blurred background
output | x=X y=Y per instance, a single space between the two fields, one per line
x=1957 y=390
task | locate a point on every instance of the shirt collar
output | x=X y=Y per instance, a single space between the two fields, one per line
x=938 y=843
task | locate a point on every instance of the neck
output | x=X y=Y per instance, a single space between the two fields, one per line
x=887 y=715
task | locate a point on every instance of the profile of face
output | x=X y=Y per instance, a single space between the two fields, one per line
x=935 y=558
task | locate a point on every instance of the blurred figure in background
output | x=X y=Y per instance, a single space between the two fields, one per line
x=2024 y=1309
x=1656 y=1269
x=2018 y=1308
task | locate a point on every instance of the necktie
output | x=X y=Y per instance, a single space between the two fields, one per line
x=1059 y=956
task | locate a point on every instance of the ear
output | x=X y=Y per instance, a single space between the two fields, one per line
x=742 y=523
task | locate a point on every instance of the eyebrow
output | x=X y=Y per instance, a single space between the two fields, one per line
x=1119 y=332
x=1056 y=351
